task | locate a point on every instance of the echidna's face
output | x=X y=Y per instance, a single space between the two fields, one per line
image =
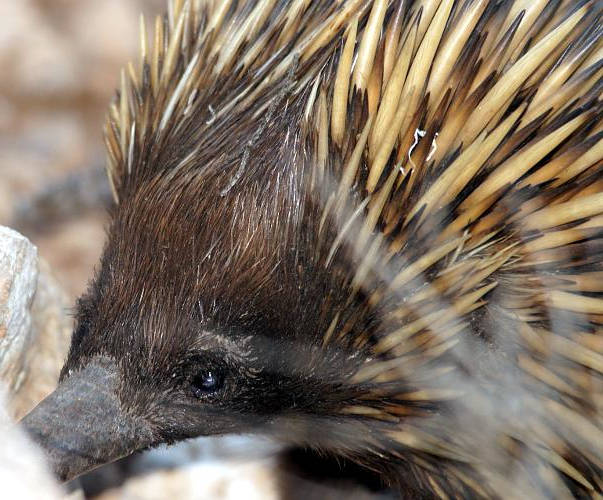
x=192 y=326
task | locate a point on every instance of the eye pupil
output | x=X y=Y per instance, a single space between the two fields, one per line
x=206 y=382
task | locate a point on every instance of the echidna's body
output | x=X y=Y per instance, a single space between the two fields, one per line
x=378 y=224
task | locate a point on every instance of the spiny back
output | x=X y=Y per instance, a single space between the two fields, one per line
x=436 y=169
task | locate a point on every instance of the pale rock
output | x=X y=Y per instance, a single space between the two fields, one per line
x=51 y=329
x=18 y=280
x=23 y=473
x=34 y=330
x=34 y=338
x=227 y=468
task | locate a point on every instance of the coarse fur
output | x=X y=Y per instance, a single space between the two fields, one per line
x=381 y=221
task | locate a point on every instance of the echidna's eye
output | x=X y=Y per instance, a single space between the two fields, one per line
x=207 y=382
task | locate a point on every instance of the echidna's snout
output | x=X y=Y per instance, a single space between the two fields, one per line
x=81 y=425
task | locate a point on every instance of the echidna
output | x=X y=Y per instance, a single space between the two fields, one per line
x=369 y=227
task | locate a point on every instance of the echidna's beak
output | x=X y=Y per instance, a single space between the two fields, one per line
x=81 y=425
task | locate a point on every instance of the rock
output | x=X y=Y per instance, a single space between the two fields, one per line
x=230 y=481
x=226 y=468
x=23 y=473
x=34 y=338
x=51 y=337
x=18 y=280
x=34 y=330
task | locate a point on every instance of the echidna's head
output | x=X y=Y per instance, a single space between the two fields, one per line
x=206 y=316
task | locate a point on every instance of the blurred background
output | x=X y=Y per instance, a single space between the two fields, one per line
x=60 y=61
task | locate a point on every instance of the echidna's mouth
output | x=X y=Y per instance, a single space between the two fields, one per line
x=81 y=425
